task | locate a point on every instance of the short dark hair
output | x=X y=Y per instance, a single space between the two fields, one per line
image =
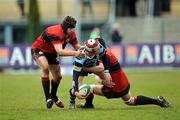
x=68 y=22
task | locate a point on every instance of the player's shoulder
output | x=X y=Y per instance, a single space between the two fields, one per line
x=52 y=27
x=55 y=29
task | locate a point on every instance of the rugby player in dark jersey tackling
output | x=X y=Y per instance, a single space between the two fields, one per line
x=46 y=48
x=116 y=85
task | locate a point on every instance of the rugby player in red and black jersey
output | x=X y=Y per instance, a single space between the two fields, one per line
x=46 y=48
x=117 y=86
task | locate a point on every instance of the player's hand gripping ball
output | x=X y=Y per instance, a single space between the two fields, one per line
x=85 y=90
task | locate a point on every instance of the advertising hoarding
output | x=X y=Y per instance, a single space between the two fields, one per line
x=131 y=55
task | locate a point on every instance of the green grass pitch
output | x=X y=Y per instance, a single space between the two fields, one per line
x=21 y=98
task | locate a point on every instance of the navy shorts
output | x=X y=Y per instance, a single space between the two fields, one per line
x=51 y=58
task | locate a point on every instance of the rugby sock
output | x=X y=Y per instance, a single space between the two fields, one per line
x=143 y=100
x=89 y=99
x=46 y=86
x=54 y=88
x=72 y=97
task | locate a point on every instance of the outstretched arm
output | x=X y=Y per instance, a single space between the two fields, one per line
x=76 y=46
x=62 y=52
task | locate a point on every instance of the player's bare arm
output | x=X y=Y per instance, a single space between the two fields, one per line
x=76 y=46
x=95 y=69
x=61 y=52
x=105 y=79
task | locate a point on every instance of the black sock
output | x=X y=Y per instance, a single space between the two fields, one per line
x=89 y=99
x=46 y=86
x=143 y=100
x=54 y=88
x=72 y=97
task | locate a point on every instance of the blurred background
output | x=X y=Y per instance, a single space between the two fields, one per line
x=141 y=33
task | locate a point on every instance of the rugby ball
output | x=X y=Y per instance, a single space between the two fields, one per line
x=85 y=89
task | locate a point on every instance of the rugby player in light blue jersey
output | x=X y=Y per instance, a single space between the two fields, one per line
x=94 y=53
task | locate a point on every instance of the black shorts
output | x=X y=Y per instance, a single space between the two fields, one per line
x=108 y=93
x=51 y=58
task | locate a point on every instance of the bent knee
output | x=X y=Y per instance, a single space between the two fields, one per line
x=45 y=69
x=58 y=78
x=131 y=101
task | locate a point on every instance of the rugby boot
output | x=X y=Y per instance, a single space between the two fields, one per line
x=85 y=106
x=58 y=102
x=49 y=103
x=163 y=102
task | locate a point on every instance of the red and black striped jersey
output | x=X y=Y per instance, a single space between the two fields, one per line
x=113 y=61
x=118 y=76
x=51 y=36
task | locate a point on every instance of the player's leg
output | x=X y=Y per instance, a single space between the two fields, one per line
x=127 y=98
x=96 y=89
x=72 y=99
x=71 y=91
x=56 y=78
x=143 y=100
x=45 y=80
x=88 y=103
x=42 y=62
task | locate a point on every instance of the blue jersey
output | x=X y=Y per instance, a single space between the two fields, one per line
x=88 y=62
